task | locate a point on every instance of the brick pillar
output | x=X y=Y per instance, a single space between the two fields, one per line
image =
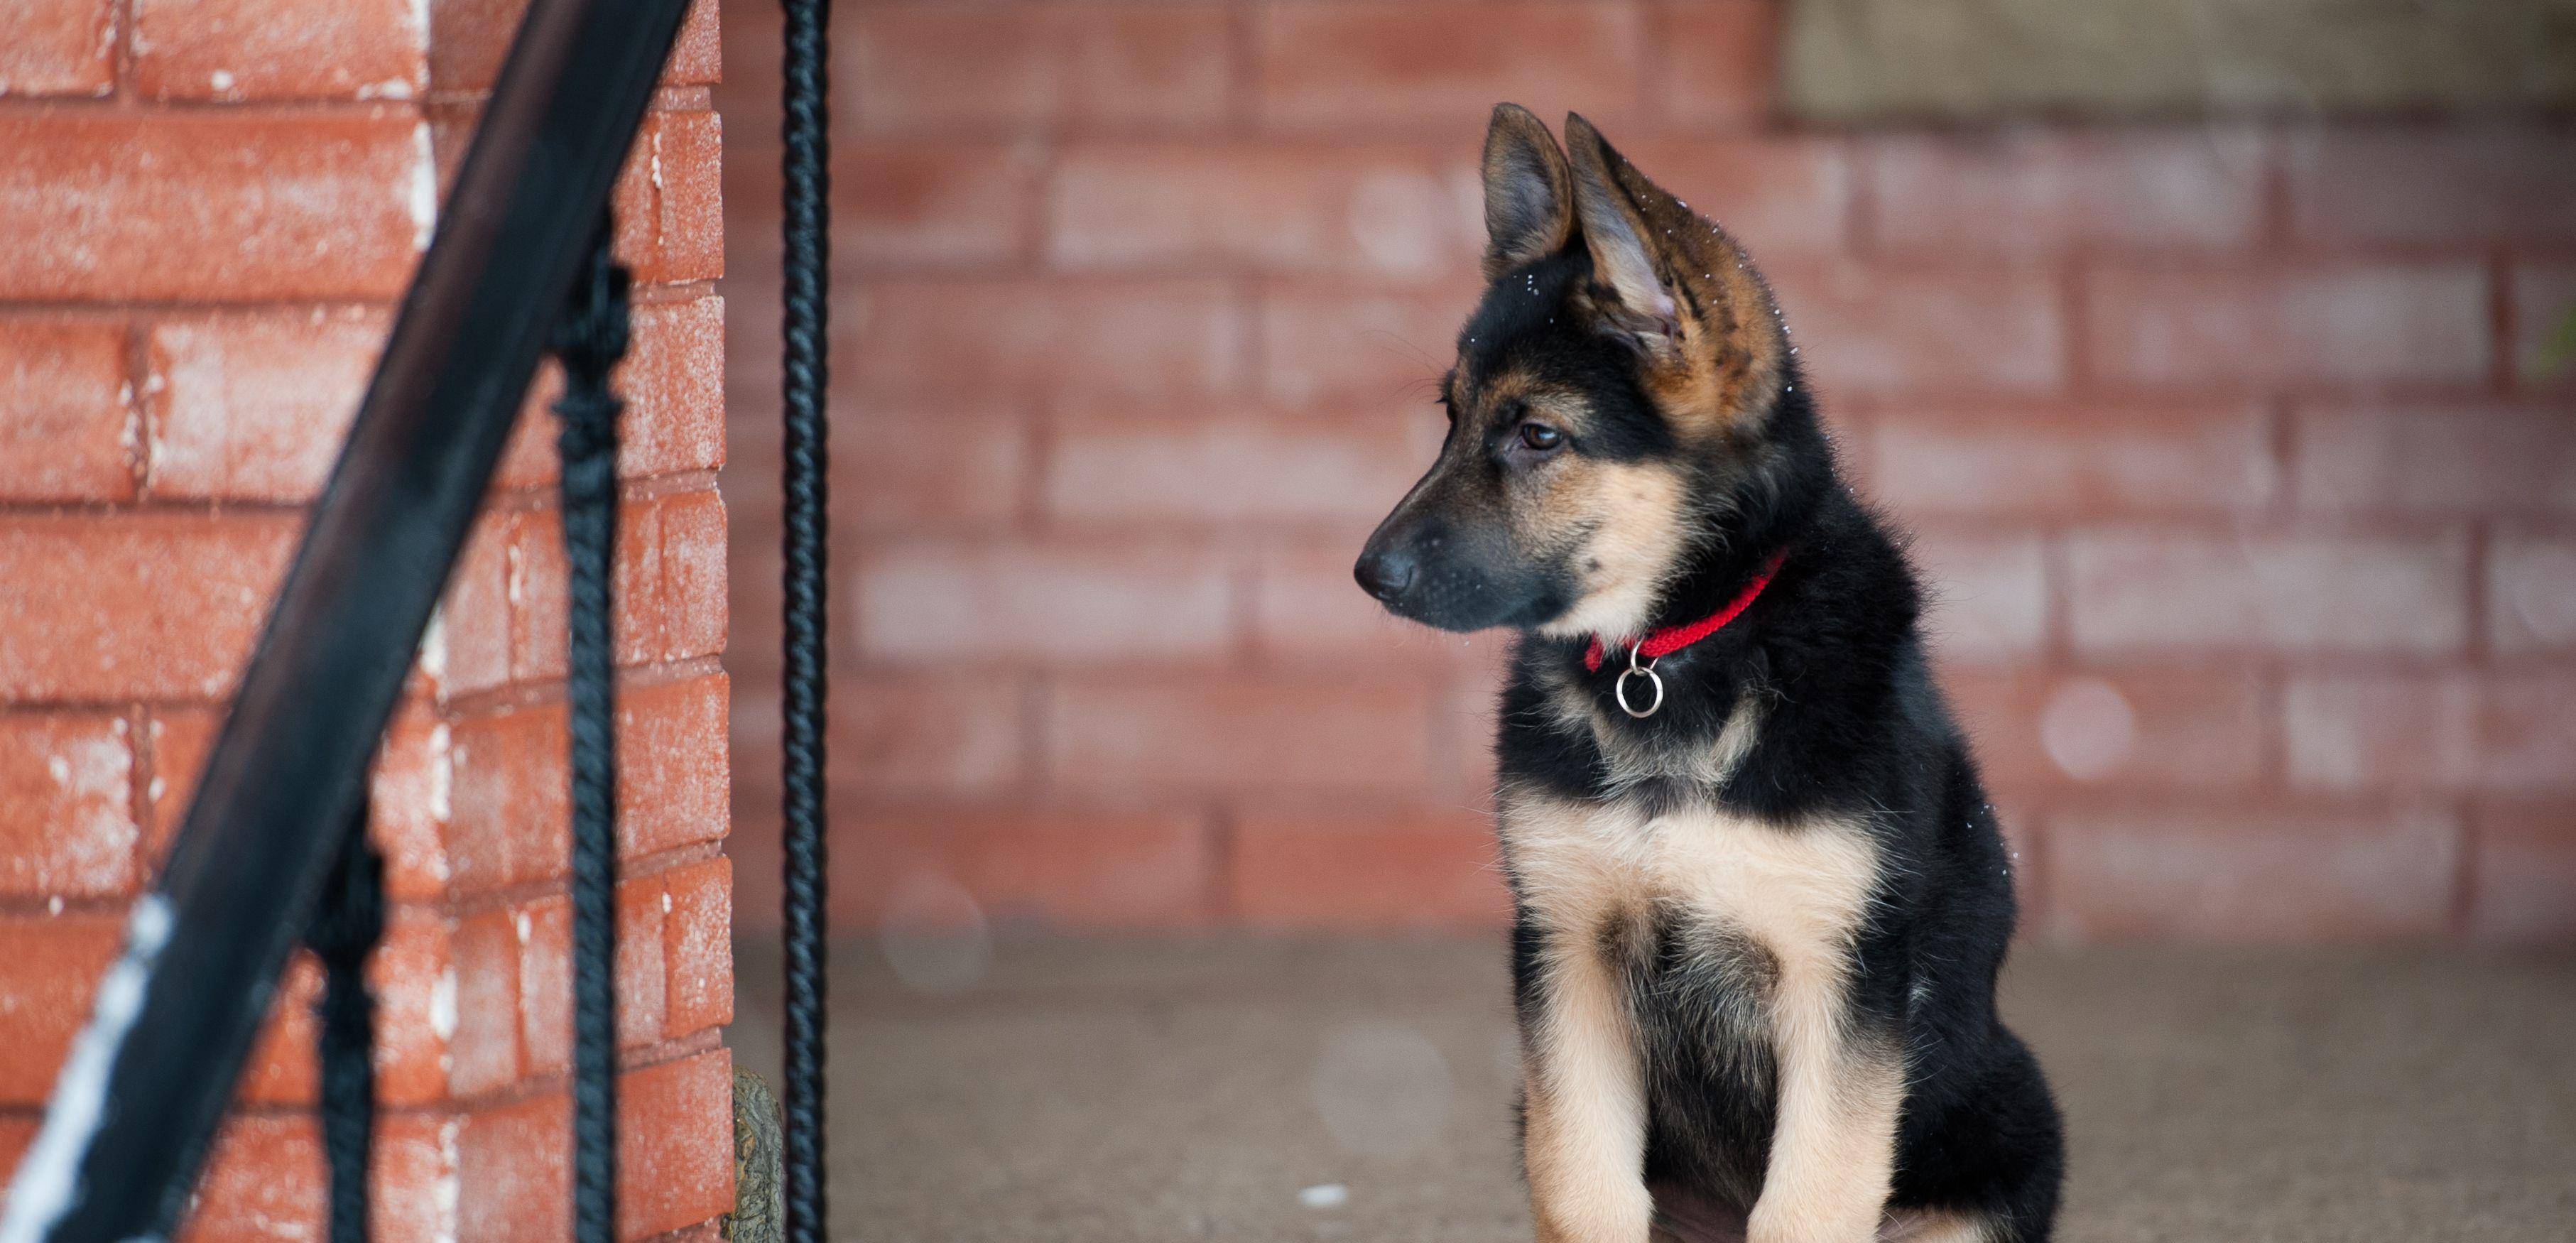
x=207 y=213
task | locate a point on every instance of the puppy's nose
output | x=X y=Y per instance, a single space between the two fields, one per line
x=1385 y=573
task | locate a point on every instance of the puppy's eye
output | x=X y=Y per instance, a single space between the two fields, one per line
x=1539 y=437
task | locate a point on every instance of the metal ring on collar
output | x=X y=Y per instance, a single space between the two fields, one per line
x=1634 y=669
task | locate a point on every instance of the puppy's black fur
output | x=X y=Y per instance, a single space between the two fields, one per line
x=1851 y=727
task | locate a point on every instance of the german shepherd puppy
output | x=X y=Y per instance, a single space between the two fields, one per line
x=1760 y=897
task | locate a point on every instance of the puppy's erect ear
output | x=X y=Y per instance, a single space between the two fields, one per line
x=1615 y=230
x=1529 y=199
x=1674 y=283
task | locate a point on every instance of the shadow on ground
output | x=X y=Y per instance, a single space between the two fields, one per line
x=1302 y=1090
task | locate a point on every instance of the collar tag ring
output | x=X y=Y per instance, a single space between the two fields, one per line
x=1645 y=670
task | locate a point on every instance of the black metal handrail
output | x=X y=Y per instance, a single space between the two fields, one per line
x=138 y=1102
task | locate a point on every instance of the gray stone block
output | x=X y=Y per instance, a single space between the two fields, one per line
x=1877 y=60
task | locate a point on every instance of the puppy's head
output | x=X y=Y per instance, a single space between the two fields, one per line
x=1610 y=391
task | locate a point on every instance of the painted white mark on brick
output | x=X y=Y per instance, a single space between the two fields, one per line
x=446 y=1191
x=442 y=782
x=442 y=1006
x=433 y=646
x=424 y=187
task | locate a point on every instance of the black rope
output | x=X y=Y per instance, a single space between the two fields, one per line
x=808 y=238
x=589 y=339
x=346 y=927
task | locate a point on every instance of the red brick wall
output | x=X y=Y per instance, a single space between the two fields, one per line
x=2255 y=526
x=207 y=211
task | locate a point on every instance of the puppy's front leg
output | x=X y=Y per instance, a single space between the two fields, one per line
x=1833 y=1147
x=1584 y=1109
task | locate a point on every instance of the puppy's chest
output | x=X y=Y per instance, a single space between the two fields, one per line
x=1701 y=882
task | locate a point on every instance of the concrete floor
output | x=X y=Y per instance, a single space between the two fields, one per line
x=1302 y=1090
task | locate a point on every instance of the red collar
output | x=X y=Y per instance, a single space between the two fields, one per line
x=1672 y=639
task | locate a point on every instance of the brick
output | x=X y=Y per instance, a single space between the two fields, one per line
x=2240 y=878
x=514 y=1167
x=911 y=203
x=211 y=205
x=280 y=49
x=415 y=1166
x=408 y=786
x=17 y=1134
x=2544 y=317
x=49 y=970
x=960 y=467
x=670 y=199
x=2522 y=868
x=67 y=824
x=2531 y=594
x=486 y=1056
x=2471 y=461
x=913 y=733
x=926 y=68
x=2411 y=732
x=986 y=338
x=407 y=803
x=1776 y=195
x=697 y=947
x=1025 y=864
x=1874 y=331
x=1119 y=735
x=2071 y=462
x=255 y=406
x=672 y=384
x=1155 y=599
x=675 y=1129
x=469 y=635
x=94 y=594
x=1276 y=469
x=264 y=1176
x=540 y=1013
x=181 y=739
x=1717 y=60
x=469 y=38
x=2031 y=193
x=640 y=971
x=408 y=974
x=67 y=421
x=668 y=582
x=58 y=47
x=1290 y=207
x=1441 y=64
x=414 y=992
x=544 y=1011
x=675 y=1156
x=2134 y=590
x=511 y=818
x=1432 y=869
x=2146 y=731
x=1341 y=342
x=1989 y=595
x=2446 y=184
x=697 y=54
x=282 y=1068
x=2423 y=322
